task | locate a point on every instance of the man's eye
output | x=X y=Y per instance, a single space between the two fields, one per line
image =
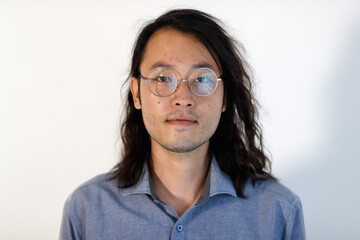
x=202 y=80
x=162 y=79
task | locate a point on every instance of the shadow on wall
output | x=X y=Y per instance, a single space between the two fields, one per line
x=329 y=188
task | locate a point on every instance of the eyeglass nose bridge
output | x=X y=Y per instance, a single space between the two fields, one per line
x=183 y=80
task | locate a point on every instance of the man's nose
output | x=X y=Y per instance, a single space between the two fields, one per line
x=183 y=95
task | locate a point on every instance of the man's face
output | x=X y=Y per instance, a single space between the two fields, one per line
x=182 y=121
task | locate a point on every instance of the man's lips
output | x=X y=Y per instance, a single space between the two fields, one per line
x=184 y=121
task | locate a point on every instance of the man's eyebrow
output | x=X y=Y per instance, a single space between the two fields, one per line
x=194 y=66
x=161 y=65
x=203 y=65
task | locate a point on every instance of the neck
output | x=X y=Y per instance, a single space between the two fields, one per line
x=179 y=178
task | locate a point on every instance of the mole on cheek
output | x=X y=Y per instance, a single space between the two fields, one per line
x=158 y=102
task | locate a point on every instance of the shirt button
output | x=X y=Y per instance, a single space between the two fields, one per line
x=179 y=228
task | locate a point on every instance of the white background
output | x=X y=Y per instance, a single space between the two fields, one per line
x=62 y=64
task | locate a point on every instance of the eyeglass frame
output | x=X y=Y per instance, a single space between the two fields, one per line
x=181 y=80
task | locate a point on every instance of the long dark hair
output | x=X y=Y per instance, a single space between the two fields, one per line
x=237 y=142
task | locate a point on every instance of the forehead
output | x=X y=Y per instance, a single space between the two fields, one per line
x=176 y=49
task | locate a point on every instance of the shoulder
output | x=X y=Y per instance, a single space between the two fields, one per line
x=270 y=188
x=92 y=191
x=273 y=194
x=88 y=203
x=279 y=202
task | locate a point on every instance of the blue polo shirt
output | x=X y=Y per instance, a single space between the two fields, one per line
x=98 y=209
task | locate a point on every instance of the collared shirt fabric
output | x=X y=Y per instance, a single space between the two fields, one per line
x=98 y=209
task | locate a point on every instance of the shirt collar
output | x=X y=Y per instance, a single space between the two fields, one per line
x=143 y=185
x=217 y=182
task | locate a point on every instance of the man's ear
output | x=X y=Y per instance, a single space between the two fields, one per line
x=135 y=88
x=223 y=108
x=224 y=104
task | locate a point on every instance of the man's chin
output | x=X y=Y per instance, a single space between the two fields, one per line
x=182 y=148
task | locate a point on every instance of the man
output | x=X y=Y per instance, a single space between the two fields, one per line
x=193 y=165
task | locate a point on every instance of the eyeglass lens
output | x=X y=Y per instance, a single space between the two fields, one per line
x=162 y=82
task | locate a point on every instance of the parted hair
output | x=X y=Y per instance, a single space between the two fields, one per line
x=237 y=143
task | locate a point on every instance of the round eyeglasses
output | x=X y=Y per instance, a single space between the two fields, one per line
x=162 y=82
